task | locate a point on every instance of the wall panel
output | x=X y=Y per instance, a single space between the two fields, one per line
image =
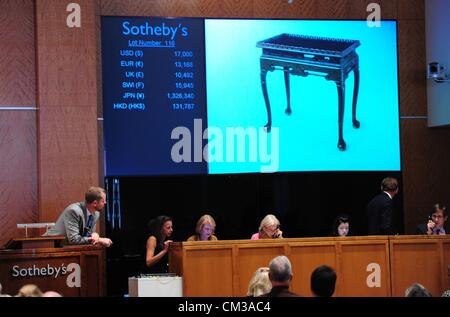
x=18 y=168
x=412 y=70
x=309 y=9
x=66 y=57
x=18 y=196
x=182 y=8
x=410 y=9
x=322 y=9
x=67 y=100
x=425 y=152
x=17 y=75
x=69 y=157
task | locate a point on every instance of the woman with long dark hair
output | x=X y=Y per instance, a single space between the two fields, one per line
x=341 y=226
x=156 y=258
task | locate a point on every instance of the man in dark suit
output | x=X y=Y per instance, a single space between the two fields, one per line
x=436 y=222
x=380 y=209
x=280 y=275
x=77 y=221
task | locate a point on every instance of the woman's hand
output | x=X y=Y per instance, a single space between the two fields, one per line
x=277 y=234
x=167 y=244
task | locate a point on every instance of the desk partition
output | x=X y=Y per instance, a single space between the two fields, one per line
x=365 y=266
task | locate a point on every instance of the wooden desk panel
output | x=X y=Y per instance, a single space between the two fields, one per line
x=419 y=259
x=210 y=272
x=365 y=266
x=250 y=257
x=445 y=271
x=305 y=258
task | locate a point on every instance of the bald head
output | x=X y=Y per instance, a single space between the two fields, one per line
x=51 y=294
x=280 y=269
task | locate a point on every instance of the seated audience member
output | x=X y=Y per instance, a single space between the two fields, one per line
x=323 y=281
x=77 y=221
x=29 y=290
x=268 y=229
x=436 y=221
x=157 y=258
x=447 y=292
x=51 y=294
x=260 y=283
x=1 y=294
x=280 y=275
x=341 y=226
x=204 y=229
x=417 y=290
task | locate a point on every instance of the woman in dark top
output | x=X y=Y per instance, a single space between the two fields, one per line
x=156 y=258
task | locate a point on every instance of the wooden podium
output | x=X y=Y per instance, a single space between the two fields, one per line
x=73 y=271
x=35 y=242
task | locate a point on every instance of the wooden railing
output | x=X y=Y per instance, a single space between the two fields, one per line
x=365 y=266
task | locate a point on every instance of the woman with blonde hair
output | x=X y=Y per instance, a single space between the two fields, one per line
x=29 y=290
x=260 y=283
x=204 y=229
x=268 y=229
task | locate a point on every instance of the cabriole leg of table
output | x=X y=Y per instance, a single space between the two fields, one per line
x=268 y=126
x=356 y=123
x=286 y=71
x=341 y=95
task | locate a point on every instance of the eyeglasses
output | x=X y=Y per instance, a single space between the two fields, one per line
x=272 y=228
x=437 y=216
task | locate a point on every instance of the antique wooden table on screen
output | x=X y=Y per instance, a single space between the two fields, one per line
x=304 y=55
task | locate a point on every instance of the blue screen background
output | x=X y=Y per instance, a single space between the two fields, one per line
x=308 y=137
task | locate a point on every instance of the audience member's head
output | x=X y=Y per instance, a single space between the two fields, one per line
x=205 y=227
x=447 y=292
x=1 y=294
x=323 y=281
x=448 y=275
x=29 y=290
x=280 y=271
x=417 y=290
x=341 y=226
x=260 y=283
x=51 y=294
